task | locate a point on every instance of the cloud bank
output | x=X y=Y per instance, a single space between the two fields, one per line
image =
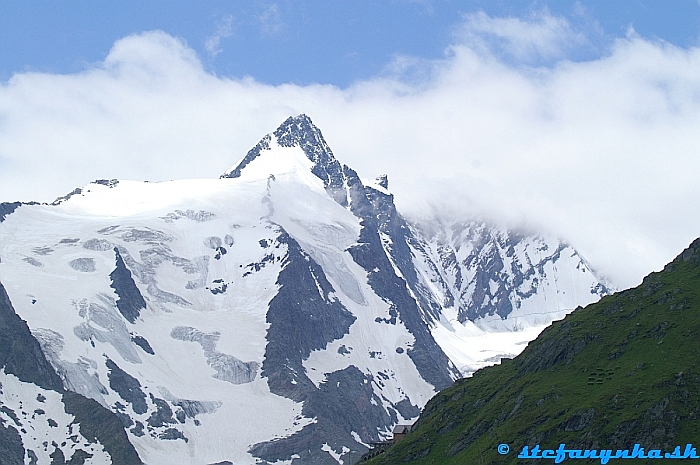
x=603 y=153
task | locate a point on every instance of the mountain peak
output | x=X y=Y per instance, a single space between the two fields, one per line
x=300 y=131
x=297 y=131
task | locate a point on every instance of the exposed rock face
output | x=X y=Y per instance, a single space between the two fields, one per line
x=95 y=430
x=7 y=208
x=486 y=271
x=381 y=221
x=20 y=353
x=130 y=301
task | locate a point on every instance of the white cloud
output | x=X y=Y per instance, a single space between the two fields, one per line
x=603 y=152
x=270 y=20
x=224 y=29
x=539 y=37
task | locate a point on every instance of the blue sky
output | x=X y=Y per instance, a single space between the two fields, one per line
x=575 y=118
x=304 y=41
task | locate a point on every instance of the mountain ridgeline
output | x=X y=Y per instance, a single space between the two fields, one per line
x=283 y=313
x=617 y=373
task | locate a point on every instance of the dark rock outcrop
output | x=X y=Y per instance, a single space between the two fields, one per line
x=130 y=301
x=7 y=208
x=21 y=355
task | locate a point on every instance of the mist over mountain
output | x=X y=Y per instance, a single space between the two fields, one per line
x=283 y=313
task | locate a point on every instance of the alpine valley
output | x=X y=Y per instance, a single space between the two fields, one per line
x=283 y=313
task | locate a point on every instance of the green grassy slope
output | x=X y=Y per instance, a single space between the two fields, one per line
x=616 y=373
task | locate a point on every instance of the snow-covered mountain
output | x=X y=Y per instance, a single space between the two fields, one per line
x=497 y=288
x=284 y=313
x=491 y=274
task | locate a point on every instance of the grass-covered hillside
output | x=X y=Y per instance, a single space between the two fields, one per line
x=620 y=372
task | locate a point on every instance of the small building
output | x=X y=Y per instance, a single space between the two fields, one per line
x=400 y=431
x=376 y=448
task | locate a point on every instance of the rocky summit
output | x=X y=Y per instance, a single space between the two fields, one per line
x=283 y=313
